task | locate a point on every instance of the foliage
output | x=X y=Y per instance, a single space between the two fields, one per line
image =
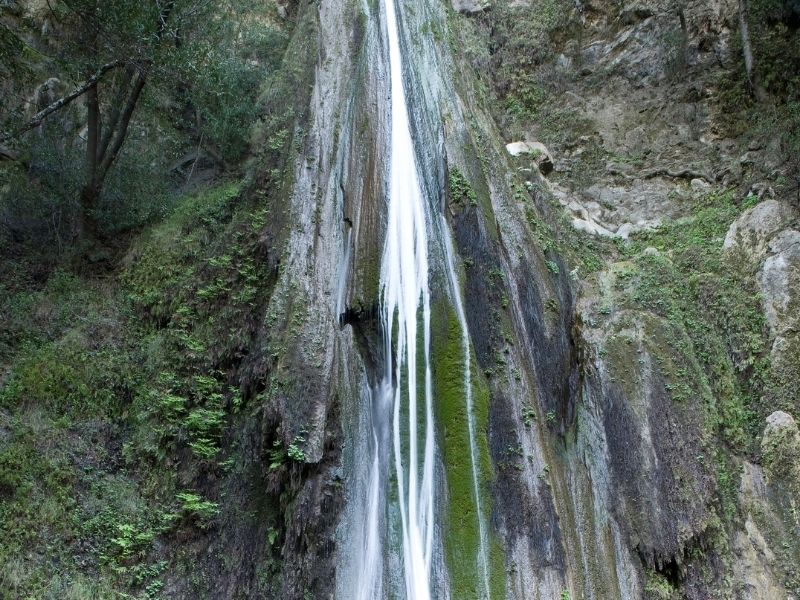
x=107 y=385
x=119 y=387
x=657 y=587
x=712 y=295
x=461 y=191
x=203 y=74
x=223 y=75
x=294 y=451
x=195 y=507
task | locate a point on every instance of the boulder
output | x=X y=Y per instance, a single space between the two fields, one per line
x=756 y=226
x=700 y=186
x=779 y=281
x=780 y=447
x=469 y=7
x=590 y=227
x=518 y=148
x=541 y=155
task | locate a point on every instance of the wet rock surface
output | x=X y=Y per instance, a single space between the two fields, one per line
x=639 y=478
x=609 y=477
x=631 y=446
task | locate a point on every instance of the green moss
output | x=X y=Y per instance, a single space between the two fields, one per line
x=657 y=587
x=462 y=536
x=713 y=297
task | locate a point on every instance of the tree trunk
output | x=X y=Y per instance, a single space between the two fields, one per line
x=747 y=49
x=87 y=225
x=92 y=134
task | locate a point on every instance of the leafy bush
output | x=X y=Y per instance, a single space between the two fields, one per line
x=194 y=507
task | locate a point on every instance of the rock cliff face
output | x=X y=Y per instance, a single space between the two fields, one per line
x=622 y=426
x=628 y=254
x=614 y=470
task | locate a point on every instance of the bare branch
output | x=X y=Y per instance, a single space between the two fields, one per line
x=122 y=130
x=37 y=119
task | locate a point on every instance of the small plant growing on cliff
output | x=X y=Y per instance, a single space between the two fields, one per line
x=551 y=417
x=276 y=456
x=295 y=452
x=552 y=266
x=528 y=415
x=460 y=189
x=193 y=506
x=272 y=536
x=131 y=541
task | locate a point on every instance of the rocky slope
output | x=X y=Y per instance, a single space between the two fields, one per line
x=678 y=369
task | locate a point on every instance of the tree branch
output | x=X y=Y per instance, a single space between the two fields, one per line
x=122 y=130
x=116 y=111
x=37 y=119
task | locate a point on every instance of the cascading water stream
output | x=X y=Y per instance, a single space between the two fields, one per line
x=403 y=402
x=406 y=297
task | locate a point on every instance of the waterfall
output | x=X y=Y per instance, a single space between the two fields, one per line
x=406 y=297
x=399 y=428
x=370 y=556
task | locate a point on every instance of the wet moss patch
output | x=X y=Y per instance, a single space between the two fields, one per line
x=462 y=541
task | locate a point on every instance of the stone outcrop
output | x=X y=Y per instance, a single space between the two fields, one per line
x=754 y=229
x=780 y=445
x=471 y=6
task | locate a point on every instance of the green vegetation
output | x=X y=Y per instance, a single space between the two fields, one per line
x=185 y=73
x=116 y=399
x=193 y=506
x=689 y=313
x=462 y=542
x=657 y=587
x=528 y=415
x=712 y=296
x=294 y=451
x=461 y=191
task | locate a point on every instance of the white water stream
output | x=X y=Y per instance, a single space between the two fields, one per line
x=406 y=298
x=405 y=397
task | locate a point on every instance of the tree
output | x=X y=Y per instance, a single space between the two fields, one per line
x=191 y=69
x=115 y=47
